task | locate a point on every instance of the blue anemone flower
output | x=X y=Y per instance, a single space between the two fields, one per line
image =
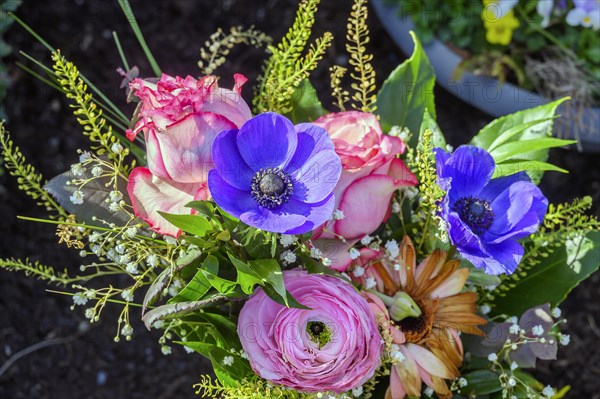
x=275 y=176
x=487 y=216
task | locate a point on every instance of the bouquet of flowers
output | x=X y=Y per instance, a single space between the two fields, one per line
x=309 y=253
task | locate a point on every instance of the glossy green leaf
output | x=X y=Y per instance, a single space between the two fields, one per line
x=194 y=290
x=436 y=134
x=531 y=167
x=228 y=375
x=510 y=150
x=407 y=92
x=193 y=224
x=552 y=279
x=516 y=136
x=481 y=382
x=495 y=130
x=306 y=106
x=225 y=330
x=205 y=208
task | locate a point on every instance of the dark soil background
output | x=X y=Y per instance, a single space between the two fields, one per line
x=67 y=359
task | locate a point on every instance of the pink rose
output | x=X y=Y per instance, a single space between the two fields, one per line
x=179 y=118
x=334 y=346
x=370 y=175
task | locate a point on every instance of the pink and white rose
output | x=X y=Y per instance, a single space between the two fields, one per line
x=371 y=173
x=179 y=119
x=282 y=345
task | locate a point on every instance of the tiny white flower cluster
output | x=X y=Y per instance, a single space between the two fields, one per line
x=392 y=249
x=358 y=272
x=338 y=214
x=288 y=257
x=396 y=354
x=287 y=239
x=354 y=253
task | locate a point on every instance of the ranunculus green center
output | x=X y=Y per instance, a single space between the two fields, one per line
x=318 y=332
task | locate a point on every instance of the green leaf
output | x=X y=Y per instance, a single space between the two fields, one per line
x=510 y=150
x=552 y=279
x=516 y=165
x=287 y=300
x=306 y=106
x=246 y=277
x=179 y=309
x=513 y=131
x=270 y=272
x=436 y=134
x=193 y=224
x=481 y=382
x=228 y=375
x=195 y=289
x=222 y=285
x=506 y=137
x=204 y=208
x=407 y=92
x=225 y=330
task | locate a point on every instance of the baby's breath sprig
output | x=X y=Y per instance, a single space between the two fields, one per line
x=217 y=48
x=364 y=74
x=28 y=179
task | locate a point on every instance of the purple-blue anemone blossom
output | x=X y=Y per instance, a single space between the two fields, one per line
x=275 y=176
x=487 y=216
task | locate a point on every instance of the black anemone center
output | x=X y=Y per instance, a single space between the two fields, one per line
x=271 y=187
x=475 y=213
x=271 y=184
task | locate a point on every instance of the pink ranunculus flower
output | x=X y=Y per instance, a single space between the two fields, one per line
x=333 y=346
x=371 y=172
x=179 y=118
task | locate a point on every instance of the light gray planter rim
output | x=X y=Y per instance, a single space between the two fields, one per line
x=484 y=92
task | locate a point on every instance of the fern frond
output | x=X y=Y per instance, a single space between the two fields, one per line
x=216 y=50
x=29 y=180
x=287 y=67
x=364 y=74
x=88 y=115
x=38 y=270
x=252 y=388
x=342 y=96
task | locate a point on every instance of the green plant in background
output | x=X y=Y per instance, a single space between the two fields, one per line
x=6 y=6
x=541 y=45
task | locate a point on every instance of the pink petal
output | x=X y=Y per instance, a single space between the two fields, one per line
x=365 y=205
x=229 y=103
x=154 y=155
x=336 y=251
x=186 y=146
x=428 y=361
x=401 y=174
x=396 y=389
x=150 y=194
